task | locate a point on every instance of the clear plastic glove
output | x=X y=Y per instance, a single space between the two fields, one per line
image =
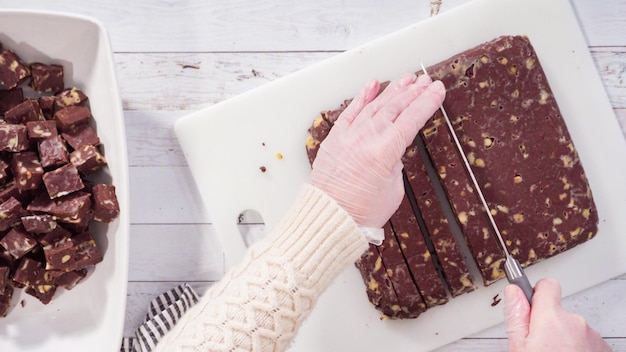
x=358 y=164
x=548 y=326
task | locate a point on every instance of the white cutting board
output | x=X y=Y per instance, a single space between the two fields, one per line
x=226 y=144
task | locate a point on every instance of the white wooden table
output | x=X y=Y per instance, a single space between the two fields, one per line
x=177 y=56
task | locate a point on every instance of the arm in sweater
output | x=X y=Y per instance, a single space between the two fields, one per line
x=260 y=303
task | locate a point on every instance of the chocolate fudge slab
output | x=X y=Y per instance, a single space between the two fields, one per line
x=516 y=140
x=409 y=297
x=417 y=255
x=455 y=270
x=378 y=286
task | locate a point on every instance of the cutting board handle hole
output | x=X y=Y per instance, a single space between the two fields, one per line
x=251 y=226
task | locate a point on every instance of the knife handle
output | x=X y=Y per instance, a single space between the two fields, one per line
x=523 y=283
x=516 y=276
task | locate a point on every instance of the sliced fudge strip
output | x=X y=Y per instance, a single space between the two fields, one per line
x=512 y=132
x=455 y=270
x=409 y=296
x=378 y=286
x=418 y=257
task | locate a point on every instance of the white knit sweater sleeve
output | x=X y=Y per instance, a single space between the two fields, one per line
x=260 y=303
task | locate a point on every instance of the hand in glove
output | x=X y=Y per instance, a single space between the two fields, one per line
x=358 y=164
x=547 y=326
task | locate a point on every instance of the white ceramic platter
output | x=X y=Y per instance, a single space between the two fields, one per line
x=91 y=316
x=227 y=143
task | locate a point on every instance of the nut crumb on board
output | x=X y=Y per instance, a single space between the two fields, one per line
x=263 y=168
x=435 y=6
x=496 y=300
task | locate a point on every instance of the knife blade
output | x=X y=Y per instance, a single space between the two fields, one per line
x=514 y=272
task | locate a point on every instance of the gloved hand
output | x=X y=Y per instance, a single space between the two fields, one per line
x=547 y=326
x=358 y=164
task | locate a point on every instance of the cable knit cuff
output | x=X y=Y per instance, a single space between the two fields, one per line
x=318 y=237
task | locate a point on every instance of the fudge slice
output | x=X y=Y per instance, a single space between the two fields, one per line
x=401 y=276
x=378 y=286
x=418 y=257
x=512 y=132
x=455 y=270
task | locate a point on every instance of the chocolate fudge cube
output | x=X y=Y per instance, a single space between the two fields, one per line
x=12 y=70
x=38 y=223
x=53 y=152
x=28 y=110
x=68 y=280
x=27 y=271
x=10 y=98
x=10 y=212
x=72 y=254
x=46 y=103
x=41 y=129
x=80 y=136
x=46 y=78
x=9 y=190
x=27 y=171
x=43 y=288
x=6 y=294
x=13 y=138
x=70 y=97
x=56 y=235
x=62 y=181
x=18 y=242
x=71 y=117
x=4 y=176
x=105 y=204
x=87 y=159
x=71 y=208
x=4 y=275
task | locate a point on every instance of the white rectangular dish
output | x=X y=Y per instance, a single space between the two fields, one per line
x=91 y=316
x=226 y=144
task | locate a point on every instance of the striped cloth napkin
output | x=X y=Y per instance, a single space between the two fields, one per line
x=165 y=311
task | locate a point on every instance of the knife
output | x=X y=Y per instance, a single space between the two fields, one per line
x=512 y=268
